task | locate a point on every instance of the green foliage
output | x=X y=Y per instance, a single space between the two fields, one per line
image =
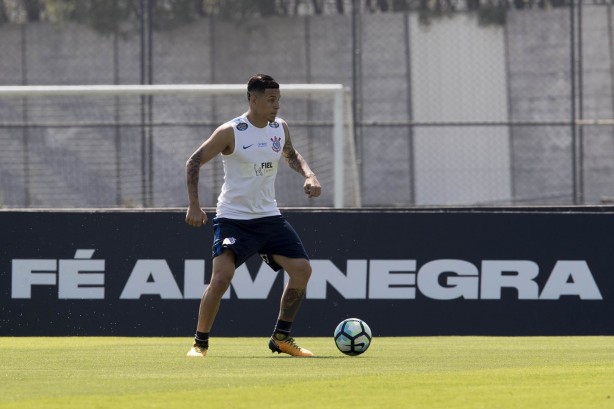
x=103 y=16
x=108 y=16
x=492 y=14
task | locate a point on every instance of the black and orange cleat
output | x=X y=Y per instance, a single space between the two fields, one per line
x=288 y=346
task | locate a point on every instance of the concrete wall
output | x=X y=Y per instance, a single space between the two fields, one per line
x=452 y=70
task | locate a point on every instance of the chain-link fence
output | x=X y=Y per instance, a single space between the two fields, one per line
x=453 y=102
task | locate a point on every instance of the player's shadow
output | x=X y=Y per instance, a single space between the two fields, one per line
x=279 y=357
x=311 y=357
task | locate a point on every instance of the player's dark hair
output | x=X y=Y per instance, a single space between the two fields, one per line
x=260 y=82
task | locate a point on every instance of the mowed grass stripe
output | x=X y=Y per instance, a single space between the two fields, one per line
x=424 y=372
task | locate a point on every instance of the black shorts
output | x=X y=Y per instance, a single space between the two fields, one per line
x=265 y=236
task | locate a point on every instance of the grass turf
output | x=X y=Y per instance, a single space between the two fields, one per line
x=406 y=372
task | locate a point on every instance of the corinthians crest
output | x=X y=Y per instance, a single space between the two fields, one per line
x=276 y=143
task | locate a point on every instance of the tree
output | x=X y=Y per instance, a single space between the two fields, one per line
x=109 y=16
x=3 y=15
x=33 y=10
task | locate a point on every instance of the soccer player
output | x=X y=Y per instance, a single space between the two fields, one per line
x=247 y=219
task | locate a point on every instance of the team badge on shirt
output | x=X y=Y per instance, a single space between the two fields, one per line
x=241 y=126
x=273 y=124
x=276 y=143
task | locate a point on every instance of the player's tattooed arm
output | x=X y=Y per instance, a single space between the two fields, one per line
x=311 y=186
x=294 y=159
x=221 y=141
x=192 y=170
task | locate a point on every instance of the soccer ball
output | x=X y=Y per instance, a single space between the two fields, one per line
x=352 y=336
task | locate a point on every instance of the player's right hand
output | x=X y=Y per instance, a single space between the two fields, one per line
x=195 y=216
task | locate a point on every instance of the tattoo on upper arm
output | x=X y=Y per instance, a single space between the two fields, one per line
x=288 y=149
x=193 y=167
x=292 y=156
x=294 y=160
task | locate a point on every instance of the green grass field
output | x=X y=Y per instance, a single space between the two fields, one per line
x=407 y=372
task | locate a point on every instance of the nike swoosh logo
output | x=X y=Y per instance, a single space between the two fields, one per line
x=246 y=146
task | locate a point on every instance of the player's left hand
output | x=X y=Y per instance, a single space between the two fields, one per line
x=312 y=186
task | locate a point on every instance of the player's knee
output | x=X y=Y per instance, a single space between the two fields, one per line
x=219 y=283
x=223 y=271
x=301 y=271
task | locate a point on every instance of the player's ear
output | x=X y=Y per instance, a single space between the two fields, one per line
x=252 y=98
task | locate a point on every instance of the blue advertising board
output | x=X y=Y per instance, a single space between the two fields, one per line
x=405 y=272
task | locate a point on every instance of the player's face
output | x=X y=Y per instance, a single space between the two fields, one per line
x=266 y=104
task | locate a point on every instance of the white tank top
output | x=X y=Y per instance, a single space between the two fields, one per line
x=248 y=191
